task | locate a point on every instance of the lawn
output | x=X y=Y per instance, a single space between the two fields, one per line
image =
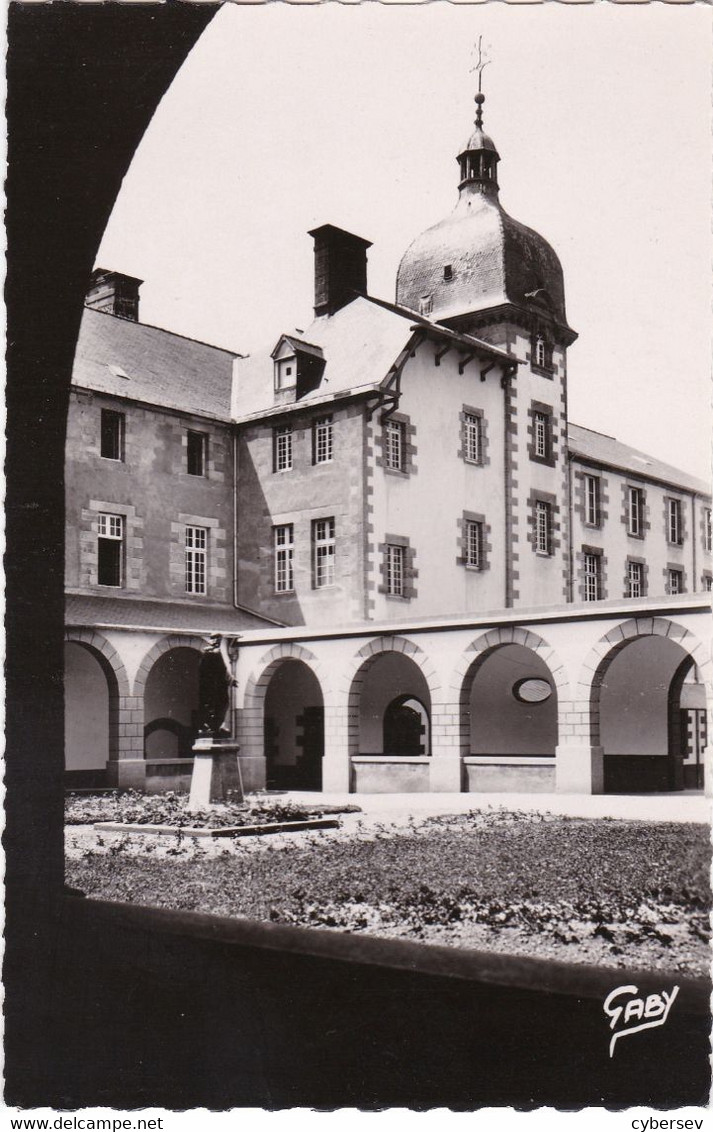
x=621 y=893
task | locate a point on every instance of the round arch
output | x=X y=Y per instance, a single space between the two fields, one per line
x=364 y=661
x=259 y=679
x=105 y=653
x=117 y=686
x=649 y=757
x=256 y=739
x=164 y=645
x=477 y=654
x=609 y=646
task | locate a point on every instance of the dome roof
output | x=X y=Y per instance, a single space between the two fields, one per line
x=493 y=259
x=479 y=257
x=480 y=140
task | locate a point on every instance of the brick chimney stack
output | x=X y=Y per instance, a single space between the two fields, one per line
x=339 y=268
x=114 y=293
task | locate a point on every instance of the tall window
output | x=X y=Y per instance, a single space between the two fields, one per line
x=708 y=529
x=635 y=511
x=196 y=453
x=634 y=579
x=541 y=352
x=543 y=527
x=592 y=500
x=394 y=445
x=675 y=581
x=196 y=553
x=675 y=527
x=474 y=544
x=324 y=545
x=322 y=440
x=110 y=550
x=707 y=582
x=542 y=434
x=592 y=576
x=395 y=561
x=112 y=435
x=282 y=448
x=284 y=553
x=473 y=428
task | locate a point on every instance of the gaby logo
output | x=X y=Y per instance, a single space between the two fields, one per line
x=630 y=1013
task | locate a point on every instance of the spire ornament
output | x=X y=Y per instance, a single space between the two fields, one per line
x=479 y=67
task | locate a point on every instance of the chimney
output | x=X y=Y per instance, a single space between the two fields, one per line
x=114 y=293
x=339 y=268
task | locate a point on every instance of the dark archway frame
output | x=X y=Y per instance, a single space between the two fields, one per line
x=83 y=83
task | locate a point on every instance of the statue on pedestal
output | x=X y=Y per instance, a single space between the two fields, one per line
x=214 y=683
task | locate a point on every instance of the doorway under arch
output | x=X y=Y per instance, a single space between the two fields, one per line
x=650 y=708
x=406 y=727
x=294 y=728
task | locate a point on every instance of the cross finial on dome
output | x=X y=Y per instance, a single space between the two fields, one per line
x=479 y=67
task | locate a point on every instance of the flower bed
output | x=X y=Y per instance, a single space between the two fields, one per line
x=614 y=892
x=132 y=808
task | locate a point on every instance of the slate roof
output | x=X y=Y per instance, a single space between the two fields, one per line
x=494 y=260
x=96 y=610
x=602 y=449
x=360 y=344
x=129 y=359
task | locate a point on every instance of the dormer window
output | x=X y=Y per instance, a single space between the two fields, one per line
x=448 y=272
x=286 y=373
x=425 y=305
x=298 y=367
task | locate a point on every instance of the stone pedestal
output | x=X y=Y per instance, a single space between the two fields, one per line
x=579 y=769
x=215 y=772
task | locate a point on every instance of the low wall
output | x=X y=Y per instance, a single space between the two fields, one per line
x=168 y=774
x=231 y=1013
x=390 y=774
x=508 y=775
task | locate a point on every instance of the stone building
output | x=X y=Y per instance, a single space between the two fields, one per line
x=438 y=581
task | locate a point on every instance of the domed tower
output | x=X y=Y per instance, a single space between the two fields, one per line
x=478 y=261
x=482 y=273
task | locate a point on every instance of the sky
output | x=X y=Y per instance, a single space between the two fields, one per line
x=288 y=116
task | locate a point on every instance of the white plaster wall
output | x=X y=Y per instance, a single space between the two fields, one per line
x=86 y=706
x=391 y=675
x=500 y=724
x=426 y=505
x=293 y=688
